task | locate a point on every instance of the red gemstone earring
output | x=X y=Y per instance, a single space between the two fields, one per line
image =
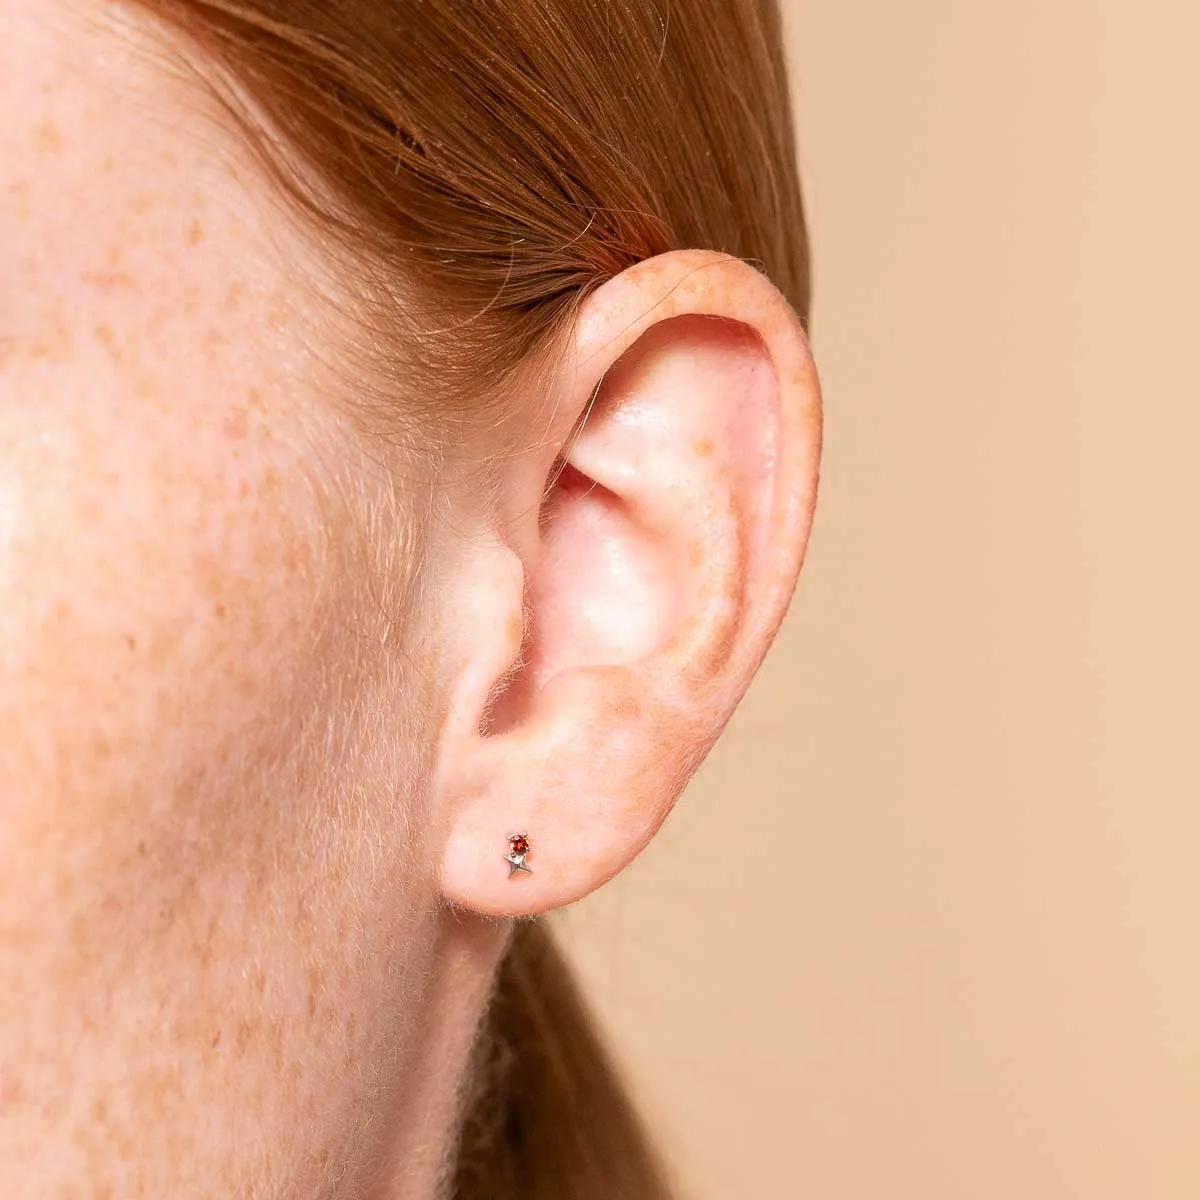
x=518 y=848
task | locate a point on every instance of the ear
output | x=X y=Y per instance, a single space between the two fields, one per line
x=649 y=545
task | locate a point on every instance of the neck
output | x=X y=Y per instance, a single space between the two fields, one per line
x=420 y=1123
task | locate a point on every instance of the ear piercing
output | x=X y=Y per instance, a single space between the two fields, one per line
x=518 y=848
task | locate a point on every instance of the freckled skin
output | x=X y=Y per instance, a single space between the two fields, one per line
x=209 y=929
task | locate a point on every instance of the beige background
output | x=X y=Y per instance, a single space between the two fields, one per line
x=926 y=926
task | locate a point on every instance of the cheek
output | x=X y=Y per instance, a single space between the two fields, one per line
x=186 y=858
x=174 y=607
x=160 y=653
x=158 y=585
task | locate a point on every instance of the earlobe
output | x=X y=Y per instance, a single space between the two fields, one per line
x=656 y=574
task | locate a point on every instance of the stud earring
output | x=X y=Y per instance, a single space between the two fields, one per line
x=518 y=848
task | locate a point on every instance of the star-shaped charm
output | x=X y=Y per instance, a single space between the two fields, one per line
x=516 y=862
